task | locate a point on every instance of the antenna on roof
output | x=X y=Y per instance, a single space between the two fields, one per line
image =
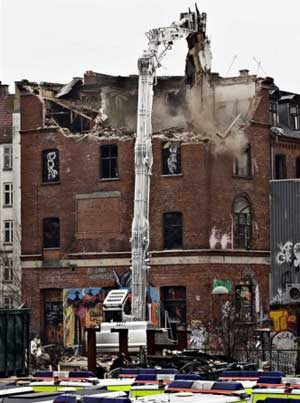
x=231 y=64
x=259 y=67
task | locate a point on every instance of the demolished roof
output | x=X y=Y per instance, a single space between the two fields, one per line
x=105 y=106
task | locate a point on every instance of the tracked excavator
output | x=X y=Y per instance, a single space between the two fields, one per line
x=116 y=309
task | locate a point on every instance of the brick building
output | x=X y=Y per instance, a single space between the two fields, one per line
x=209 y=201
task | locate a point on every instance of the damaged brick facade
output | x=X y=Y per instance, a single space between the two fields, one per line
x=93 y=212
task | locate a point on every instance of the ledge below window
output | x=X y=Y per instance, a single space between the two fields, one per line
x=171 y=175
x=242 y=177
x=50 y=183
x=108 y=179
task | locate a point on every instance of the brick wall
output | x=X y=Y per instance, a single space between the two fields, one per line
x=203 y=193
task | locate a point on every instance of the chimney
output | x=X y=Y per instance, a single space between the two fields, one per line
x=3 y=90
x=244 y=73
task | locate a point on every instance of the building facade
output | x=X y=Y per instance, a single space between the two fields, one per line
x=10 y=194
x=209 y=199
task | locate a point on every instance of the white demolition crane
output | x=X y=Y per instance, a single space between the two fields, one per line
x=160 y=40
x=192 y=26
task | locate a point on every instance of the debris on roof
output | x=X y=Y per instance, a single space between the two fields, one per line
x=102 y=106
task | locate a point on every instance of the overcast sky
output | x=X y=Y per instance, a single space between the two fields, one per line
x=55 y=40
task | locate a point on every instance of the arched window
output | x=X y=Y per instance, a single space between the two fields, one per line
x=242 y=223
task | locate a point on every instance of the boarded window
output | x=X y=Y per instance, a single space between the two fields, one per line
x=51 y=232
x=242 y=164
x=171 y=158
x=172 y=230
x=280 y=166
x=50 y=166
x=242 y=223
x=298 y=167
x=109 y=161
x=7 y=158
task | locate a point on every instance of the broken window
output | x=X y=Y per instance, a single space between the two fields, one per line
x=7 y=158
x=50 y=166
x=171 y=158
x=7 y=194
x=294 y=116
x=242 y=223
x=244 y=302
x=242 y=164
x=173 y=307
x=273 y=113
x=109 y=161
x=51 y=232
x=172 y=230
x=298 y=167
x=280 y=166
x=8 y=271
x=8 y=231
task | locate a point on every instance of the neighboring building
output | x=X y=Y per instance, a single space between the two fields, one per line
x=10 y=202
x=209 y=201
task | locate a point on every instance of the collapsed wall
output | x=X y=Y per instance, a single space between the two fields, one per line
x=99 y=106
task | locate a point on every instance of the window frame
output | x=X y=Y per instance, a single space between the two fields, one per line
x=49 y=243
x=45 y=168
x=7 y=155
x=164 y=158
x=112 y=161
x=280 y=172
x=273 y=113
x=294 y=118
x=167 y=229
x=237 y=171
x=8 y=269
x=11 y=301
x=8 y=192
x=242 y=229
x=244 y=306
x=8 y=240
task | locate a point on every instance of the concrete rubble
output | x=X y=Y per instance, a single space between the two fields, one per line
x=100 y=106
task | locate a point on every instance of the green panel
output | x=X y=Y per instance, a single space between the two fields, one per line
x=124 y=388
x=145 y=392
x=14 y=341
x=262 y=396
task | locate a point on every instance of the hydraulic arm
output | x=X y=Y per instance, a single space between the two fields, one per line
x=192 y=26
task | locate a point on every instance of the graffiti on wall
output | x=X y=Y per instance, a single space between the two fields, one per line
x=289 y=253
x=52 y=171
x=219 y=240
x=198 y=337
x=283 y=320
x=285 y=340
x=54 y=322
x=82 y=309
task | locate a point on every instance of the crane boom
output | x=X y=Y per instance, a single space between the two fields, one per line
x=160 y=40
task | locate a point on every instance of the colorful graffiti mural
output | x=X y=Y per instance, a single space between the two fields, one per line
x=283 y=320
x=82 y=308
